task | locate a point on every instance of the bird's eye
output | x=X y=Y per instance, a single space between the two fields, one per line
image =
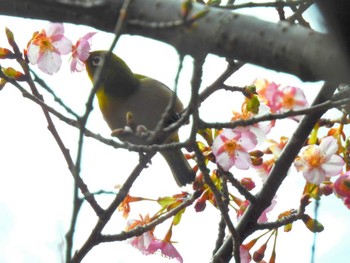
x=96 y=61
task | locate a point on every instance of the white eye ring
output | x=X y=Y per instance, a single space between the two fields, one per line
x=96 y=61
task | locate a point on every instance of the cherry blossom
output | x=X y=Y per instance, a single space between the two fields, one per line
x=292 y=98
x=244 y=254
x=263 y=217
x=231 y=148
x=143 y=241
x=80 y=52
x=268 y=93
x=259 y=129
x=46 y=47
x=281 y=99
x=166 y=248
x=342 y=185
x=319 y=161
x=342 y=188
x=148 y=244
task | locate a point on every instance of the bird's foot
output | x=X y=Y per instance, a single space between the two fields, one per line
x=143 y=161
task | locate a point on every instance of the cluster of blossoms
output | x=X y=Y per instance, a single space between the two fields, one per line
x=46 y=47
x=280 y=99
x=234 y=147
x=238 y=148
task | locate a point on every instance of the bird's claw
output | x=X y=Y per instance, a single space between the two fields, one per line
x=143 y=160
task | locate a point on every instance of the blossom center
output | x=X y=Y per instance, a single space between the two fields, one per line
x=315 y=160
x=44 y=42
x=231 y=147
x=288 y=101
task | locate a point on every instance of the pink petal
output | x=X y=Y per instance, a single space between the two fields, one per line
x=166 y=248
x=243 y=160
x=50 y=62
x=64 y=45
x=314 y=176
x=333 y=166
x=300 y=97
x=248 y=140
x=76 y=65
x=299 y=164
x=225 y=161
x=328 y=146
x=33 y=52
x=55 y=29
x=83 y=50
x=73 y=64
x=229 y=134
x=83 y=46
x=88 y=36
x=244 y=254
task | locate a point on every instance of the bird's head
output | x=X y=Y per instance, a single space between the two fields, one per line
x=116 y=76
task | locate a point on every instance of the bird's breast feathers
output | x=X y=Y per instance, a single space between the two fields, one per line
x=147 y=104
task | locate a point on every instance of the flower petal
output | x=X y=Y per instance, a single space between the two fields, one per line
x=63 y=45
x=225 y=161
x=314 y=176
x=243 y=160
x=50 y=62
x=33 y=52
x=333 y=166
x=329 y=146
x=55 y=29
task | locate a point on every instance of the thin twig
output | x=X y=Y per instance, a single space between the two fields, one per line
x=264 y=4
x=298 y=13
x=218 y=84
x=241 y=189
x=269 y=117
x=43 y=84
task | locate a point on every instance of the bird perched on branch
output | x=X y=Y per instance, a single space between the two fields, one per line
x=123 y=93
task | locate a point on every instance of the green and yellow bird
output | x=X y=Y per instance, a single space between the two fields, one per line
x=123 y=92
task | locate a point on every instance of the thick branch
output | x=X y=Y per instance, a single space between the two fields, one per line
x=293 y=49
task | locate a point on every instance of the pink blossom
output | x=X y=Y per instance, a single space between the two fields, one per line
x=259 y=129
x=281 y=99
x=342 y=186
x=265 y=168
x=140 y=242
x=292 y=98
x=269 y=93
x=46 y=47
x=167 y=249
x=263 y=217
x=244 y=254
x=231 y=148
x=148 y=244
x=319 y=161
x=80 y=52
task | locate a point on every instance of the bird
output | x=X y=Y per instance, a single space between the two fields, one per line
x=123 y=93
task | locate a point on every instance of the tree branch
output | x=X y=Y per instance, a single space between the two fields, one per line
x=281 y=47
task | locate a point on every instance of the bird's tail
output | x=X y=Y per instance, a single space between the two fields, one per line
x=181 y=169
